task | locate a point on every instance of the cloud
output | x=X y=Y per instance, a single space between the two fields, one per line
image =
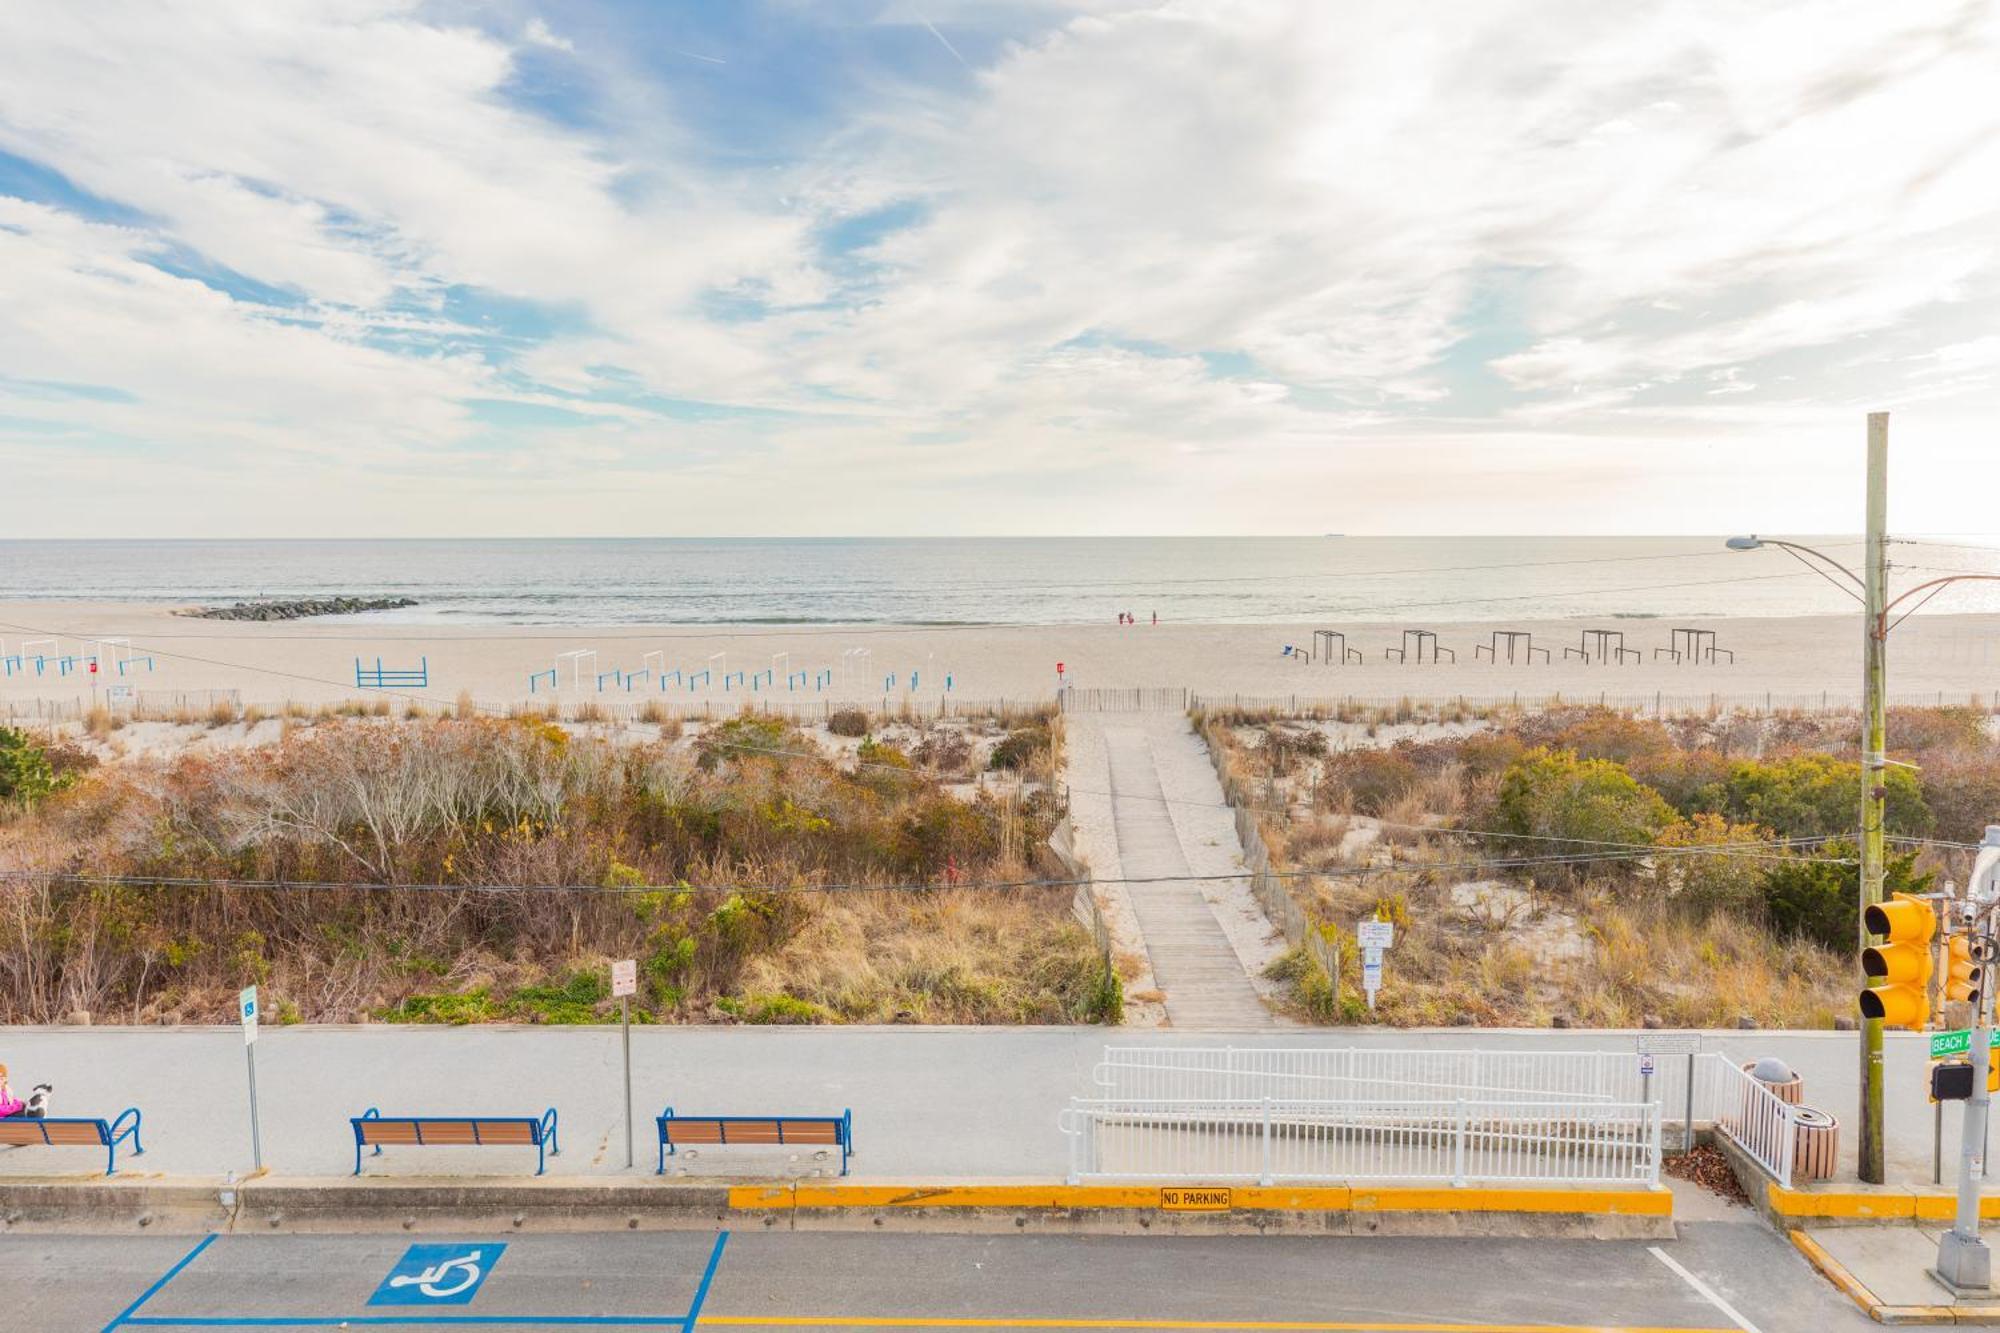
x=1176 y=241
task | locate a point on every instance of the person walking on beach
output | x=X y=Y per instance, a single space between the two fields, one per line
x=1156 y=617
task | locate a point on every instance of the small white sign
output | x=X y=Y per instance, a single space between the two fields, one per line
x=1669 y=1043
x=246 y=1004
x=1645 y=1066
x=624 y=977
x=1371 y=956
x=1375 y=934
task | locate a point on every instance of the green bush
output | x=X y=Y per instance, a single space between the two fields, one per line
x=1548 y=795
x=1813 y=796
x=26 y=775
x=1820 y=900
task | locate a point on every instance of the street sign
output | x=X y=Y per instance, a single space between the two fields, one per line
x=1944 y=1045
x=438 y=1274
x=624 y=977
x=1645 y=1065
x=1375 y=934
x=1669 y=1043
x=247 y=1005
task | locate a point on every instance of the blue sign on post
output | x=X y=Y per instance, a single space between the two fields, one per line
x=438 y=1275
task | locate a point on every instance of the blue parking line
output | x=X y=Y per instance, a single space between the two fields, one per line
x=130 y=1319
x=343 y=1321
x=125 y=1315
x=708 y=1276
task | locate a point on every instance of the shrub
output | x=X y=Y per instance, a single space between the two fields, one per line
x=740 y=738
x=1813 y=796
x=1370 y=780
x=26 y=775
x=1820 y=899
x=848 y=722
x=1552 y=794
x=1702 y=882
x=1021 y=748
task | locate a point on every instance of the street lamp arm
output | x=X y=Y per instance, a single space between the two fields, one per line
x=1934 y=587
x=1799 y=552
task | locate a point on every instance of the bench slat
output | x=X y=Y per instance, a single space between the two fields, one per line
x=55 y=1133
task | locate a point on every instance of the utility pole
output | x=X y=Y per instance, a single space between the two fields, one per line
x=1874 y=795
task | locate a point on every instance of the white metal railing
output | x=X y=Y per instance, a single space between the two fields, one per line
x=1346 y=1072
x=1761 y=1123
x=1270 y=1139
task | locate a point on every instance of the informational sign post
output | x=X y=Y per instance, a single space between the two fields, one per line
x=1374 y=937
x=246 y=1005
x=1672 y=1043
x=624 y=984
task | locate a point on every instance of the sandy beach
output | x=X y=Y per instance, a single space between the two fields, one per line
x=1794 y=660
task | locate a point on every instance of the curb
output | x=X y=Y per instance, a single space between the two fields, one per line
x=344 y=1203
x=1865 y=1206
x=1874 y=1307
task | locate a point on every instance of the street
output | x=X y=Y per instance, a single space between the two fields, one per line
x=1719 y=1275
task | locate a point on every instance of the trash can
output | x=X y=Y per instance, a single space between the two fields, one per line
x=1776 y=1075
x=1816 y=1154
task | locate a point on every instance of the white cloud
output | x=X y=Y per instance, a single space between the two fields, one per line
x=1190 y=239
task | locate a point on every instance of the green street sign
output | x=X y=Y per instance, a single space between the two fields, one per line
x=1945 y=1044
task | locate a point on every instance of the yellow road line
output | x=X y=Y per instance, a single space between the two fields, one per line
x=1225 y=1325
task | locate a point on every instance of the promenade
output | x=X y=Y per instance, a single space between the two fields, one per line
x=928 y=1103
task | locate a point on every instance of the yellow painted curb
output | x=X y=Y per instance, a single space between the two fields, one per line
x=1870 y=1205
x=1240 y=1198
x=1836 y=1272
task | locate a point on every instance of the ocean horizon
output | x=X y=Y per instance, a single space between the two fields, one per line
x=983 y=580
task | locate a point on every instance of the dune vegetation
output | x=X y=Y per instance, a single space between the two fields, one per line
x=463 y=870
x=1588 y=867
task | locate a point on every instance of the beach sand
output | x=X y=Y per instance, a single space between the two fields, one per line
x=1795 y=661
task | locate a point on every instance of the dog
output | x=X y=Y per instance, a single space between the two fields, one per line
x=38 y=1102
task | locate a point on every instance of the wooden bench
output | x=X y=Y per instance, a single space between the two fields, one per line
x=715 y=1131
x=21 y=1132
x=372 y=1129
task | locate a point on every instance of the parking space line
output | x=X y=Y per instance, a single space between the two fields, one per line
x=125 y=1315
x=681 y=1321
x=1167 y=1325
x=707 y=1277
x=1703 y=1290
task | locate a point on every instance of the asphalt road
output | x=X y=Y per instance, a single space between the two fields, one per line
x=1719 y=1275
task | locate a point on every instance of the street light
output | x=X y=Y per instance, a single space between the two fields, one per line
x=1871 y=589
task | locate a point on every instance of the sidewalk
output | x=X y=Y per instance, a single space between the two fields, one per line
x=929 y=1103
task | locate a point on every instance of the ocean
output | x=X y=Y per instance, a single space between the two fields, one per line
x=1029 y=580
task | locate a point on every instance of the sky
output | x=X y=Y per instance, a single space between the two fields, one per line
x=814 y=267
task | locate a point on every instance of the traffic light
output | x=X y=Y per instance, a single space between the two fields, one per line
x=1963 y=976
x=1900 y=995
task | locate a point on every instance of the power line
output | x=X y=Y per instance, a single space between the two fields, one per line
x=1330 y=872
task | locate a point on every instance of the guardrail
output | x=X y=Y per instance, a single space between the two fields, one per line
x=1270 y=1139
x=1340 y=1073
x=1757 y=1120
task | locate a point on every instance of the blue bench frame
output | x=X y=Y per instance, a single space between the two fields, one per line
x=843 y=1131
x=541 y=1132
x=109 y=1135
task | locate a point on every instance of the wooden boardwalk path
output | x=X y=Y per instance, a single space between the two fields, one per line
x=1193 y=963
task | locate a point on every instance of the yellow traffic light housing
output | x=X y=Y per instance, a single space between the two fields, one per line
x=1964 y=979
x=1900 y=995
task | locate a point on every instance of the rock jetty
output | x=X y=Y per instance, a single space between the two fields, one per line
x=297 y=609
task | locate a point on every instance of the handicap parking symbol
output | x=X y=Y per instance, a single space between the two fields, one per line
x=437 y=1275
